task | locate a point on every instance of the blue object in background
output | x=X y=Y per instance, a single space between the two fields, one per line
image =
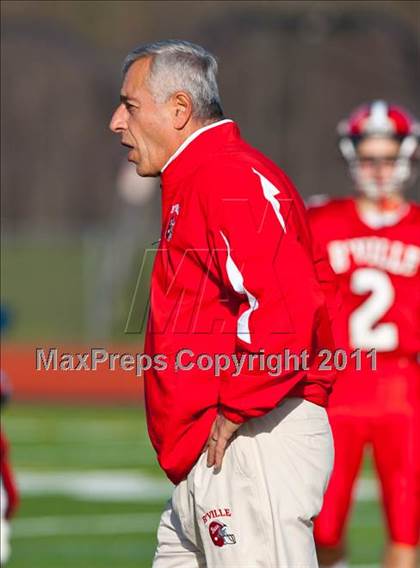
x=5 y=318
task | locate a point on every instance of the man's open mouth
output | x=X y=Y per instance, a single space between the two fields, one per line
x=130 y=155
x=126 y=144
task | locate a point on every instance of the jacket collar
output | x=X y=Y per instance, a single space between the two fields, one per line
x=196 y=148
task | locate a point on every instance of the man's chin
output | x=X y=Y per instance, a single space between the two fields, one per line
x=142 y=171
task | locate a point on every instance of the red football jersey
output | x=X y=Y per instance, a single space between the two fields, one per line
x=379 y=276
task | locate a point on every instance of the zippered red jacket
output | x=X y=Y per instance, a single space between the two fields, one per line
x=235 y=274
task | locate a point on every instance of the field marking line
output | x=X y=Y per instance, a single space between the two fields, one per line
x=97 y=485
x=367 y=489
x=107 y=485
x=125 y=523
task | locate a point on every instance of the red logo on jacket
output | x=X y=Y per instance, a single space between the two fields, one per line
x=172 y=220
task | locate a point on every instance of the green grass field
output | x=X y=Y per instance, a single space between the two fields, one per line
x=92 y=492
x=46 y=283
x=43 y=285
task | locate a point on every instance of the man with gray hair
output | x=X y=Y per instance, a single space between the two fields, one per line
x=162 y=70
x=250 y=453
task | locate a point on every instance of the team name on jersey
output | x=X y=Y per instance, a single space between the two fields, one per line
x=394 y=257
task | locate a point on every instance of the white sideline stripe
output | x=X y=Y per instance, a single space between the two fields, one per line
x=367 y=489
x=237 y=281
x=95 y=485
x=123 y=486
x=34 y=527
x=124 y=523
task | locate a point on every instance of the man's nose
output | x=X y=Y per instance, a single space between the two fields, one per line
x=118 y=120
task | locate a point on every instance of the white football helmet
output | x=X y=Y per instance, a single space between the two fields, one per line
x=379 y=119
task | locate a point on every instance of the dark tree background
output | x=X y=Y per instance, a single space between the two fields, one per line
x=289 y=71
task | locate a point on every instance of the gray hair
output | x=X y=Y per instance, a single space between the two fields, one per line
x=179 y=65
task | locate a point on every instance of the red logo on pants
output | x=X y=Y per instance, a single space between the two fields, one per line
x=219 y=535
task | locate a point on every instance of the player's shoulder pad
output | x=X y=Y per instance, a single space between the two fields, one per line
x=416 y=207
x=319 y=205
x=317 y=200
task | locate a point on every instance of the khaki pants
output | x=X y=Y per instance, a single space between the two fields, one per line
x=258 y=511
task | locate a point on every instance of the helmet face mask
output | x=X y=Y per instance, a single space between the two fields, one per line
x=375 y=169
x=379 y=143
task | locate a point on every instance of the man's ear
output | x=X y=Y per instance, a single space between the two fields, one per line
x=182 y=109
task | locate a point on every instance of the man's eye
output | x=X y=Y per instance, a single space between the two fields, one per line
x=130 y=108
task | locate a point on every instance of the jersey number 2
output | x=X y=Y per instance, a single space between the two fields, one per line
x=364 y=331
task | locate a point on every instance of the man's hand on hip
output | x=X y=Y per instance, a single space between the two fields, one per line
x=220 y=435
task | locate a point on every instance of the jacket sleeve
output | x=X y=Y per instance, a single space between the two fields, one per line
x=266 y=267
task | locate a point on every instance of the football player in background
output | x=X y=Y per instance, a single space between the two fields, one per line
x=372 y=241
x=9 y=496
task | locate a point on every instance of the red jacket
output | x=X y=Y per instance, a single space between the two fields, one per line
x=235 y=274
